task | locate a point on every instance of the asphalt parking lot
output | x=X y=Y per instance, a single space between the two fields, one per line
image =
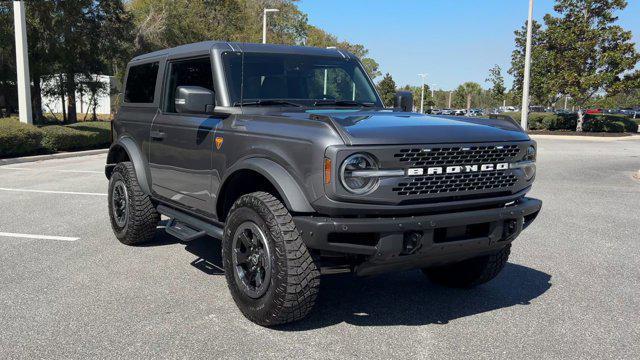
x=69 y=289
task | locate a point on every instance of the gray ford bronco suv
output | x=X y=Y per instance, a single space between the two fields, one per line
x=289 y=157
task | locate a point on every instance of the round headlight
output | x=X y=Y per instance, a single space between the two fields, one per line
x=352 y=180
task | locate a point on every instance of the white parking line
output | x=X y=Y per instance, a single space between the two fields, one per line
x=42 y=237
x=58 y=170
x=54 y=192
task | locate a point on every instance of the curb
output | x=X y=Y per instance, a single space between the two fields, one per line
x=62 y=155
x=584 y=137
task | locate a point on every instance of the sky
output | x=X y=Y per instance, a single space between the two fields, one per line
x=452 y=40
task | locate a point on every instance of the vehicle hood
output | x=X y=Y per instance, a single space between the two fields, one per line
x=384 y=127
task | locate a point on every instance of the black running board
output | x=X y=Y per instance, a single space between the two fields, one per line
x=194 y=229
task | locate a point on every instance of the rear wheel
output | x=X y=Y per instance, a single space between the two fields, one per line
x=271 y=275
x=133 y=216
x=471 y=272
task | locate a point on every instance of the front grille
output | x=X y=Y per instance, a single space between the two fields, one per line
x=456 y=155
x=448 y=183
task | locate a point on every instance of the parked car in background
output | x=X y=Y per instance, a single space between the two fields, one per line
x=632 y=113
x=460 y=112
x=475 y=112
x=593 y=111
x=436 y=112
x=447 y=112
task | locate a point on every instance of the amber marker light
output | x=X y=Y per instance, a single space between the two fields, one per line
x=327 y=171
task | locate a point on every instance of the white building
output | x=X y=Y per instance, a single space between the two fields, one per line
x=106 y=101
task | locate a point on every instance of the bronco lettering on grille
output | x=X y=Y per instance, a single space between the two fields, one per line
x=457 y=169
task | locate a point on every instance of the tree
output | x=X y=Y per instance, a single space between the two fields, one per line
x=320 y=38
x=594 y=54
x=387 y=90
x=465 y=93
x=8 y=91
x=497 y=81
x=543 y=85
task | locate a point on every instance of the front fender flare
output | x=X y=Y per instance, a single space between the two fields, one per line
x=136 y=158
x=288 y=188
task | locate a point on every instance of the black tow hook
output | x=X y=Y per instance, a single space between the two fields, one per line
x=411 y=242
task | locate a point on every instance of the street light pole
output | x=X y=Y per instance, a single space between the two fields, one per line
x=423 y=76
x=264 y=23
x=22 y=63
x=524 y=114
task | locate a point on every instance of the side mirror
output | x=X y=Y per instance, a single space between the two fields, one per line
x=403 y=101
x=194 y=100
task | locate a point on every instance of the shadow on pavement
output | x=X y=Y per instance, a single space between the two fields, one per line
x=404 y=298
x=207 y=249
x=408 y=298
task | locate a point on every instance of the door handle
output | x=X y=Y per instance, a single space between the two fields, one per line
x=158 y=135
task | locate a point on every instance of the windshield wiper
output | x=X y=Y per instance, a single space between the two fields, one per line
x=265 y=102
x=342 y=103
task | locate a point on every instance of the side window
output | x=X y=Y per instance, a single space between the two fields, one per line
x=141 y=83
x=194 y=72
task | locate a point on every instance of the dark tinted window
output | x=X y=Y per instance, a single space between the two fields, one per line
x=141 y=83
x=196 y=72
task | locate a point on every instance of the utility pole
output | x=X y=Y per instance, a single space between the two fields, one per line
x=423 y=76
x=264 y=23
x=565 y=101
x=524 y=114
x=450 y=94
x=22 y=63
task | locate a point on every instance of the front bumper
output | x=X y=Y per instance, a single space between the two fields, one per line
x=396 y=243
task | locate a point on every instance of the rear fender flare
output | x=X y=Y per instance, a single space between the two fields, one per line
x=136 y=158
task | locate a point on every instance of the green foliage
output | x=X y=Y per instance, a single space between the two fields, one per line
x=497 y=82
x=75 y=137
x=84 y=37
x=628 y=125
x=602 y=125
x=567 y=122
x=465 y=95
x=542 y=87
x=387 y=90
x=17 y=139
x=555 y=122
x=320 y=38
x=591 y=53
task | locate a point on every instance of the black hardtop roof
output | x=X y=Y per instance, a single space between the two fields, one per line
x=206 y=46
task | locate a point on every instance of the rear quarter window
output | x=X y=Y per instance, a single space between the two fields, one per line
x=141 y=83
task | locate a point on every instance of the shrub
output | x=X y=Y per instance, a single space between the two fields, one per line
x=559 y=122
x=18 y=139
x=602 y=124
x=75 y=137
x=629 y=125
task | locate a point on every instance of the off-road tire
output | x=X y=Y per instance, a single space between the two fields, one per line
x=471 y=272
x=142 y=218
x=295 y=276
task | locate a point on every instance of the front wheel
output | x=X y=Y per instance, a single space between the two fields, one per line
x=133 y=216
x=271 y=275
x=471 y=272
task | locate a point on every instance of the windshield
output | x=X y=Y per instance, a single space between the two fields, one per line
x=309 y=80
